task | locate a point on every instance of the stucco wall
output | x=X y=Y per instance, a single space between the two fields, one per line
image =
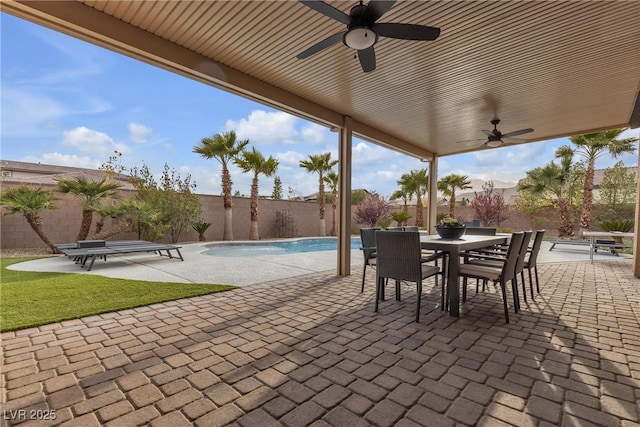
x=63 y=223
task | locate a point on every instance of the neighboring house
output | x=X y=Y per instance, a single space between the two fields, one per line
x=38 y=174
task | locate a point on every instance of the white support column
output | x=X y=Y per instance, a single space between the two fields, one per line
x=636 y=239
x=344 y=199
x=433 y=194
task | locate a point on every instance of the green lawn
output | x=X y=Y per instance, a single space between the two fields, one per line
x=31 y=299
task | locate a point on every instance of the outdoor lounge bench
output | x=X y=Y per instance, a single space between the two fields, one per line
x=82 y=255
x=609 y=244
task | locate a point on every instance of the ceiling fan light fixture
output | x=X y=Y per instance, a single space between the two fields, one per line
x=493 y=143
x=360 y=38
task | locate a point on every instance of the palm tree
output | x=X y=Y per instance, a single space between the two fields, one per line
x=415 y=182
x=320 y=164
x=224 y=148
x=91 y=194
x=591 y=146
x=331 y=179
x=29 y=202
x=550 y=180
x=449 y=184
x=254 y=161
x=403 y=195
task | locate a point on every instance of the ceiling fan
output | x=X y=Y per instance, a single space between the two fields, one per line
x=495 y=138
x=362 y=30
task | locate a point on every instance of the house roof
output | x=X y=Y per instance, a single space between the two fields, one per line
x=561 y=68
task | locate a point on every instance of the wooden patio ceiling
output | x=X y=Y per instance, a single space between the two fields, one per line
x=559 y=67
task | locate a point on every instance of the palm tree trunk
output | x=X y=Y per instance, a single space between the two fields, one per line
x=419 y=214
x=565 y=227
x=228 y=204
x=36 y=224
x=452 y=204
x=85 y=225
x=334 y=206
x=587 y=196
x=254 y=233
x=323 y=227
x=123 y=226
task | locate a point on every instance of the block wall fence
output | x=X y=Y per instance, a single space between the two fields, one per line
x=63 y=223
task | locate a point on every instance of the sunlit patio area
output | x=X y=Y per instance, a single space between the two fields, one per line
x=310 y=350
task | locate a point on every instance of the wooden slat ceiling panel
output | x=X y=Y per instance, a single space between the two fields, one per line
x=560 y=67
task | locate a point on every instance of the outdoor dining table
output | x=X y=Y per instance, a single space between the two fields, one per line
x=454 y=248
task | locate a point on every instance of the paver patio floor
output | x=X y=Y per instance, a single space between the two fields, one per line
x=311 y=351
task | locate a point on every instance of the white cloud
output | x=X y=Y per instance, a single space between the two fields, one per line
x=139 y=133
x=27 y=113
x=59 y=159
x=264 y=128
x=92 y=141
x=289 y=159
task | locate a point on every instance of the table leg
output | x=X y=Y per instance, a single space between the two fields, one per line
x=452 y=282
x=592 y=245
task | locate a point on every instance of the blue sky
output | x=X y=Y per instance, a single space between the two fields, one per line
x=67 y=102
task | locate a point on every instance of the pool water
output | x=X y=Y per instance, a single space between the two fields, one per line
x=277 y=247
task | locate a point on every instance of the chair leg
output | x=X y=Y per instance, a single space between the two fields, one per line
x=530 y=285
x=504 y=301
x=516 y=298
x=464 y=288
x=524 y=291
x=364 y=272
x=524 y=287
x=397 y=290
x=535 y=269
x=419 y=300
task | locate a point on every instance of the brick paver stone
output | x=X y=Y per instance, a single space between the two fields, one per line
x=312 y=352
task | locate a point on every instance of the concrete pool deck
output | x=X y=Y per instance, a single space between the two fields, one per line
x=198 y=267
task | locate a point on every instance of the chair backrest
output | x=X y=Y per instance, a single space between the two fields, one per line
x=524 y=248
x=481 y=231
x=513 y=252
x=368 y=240
x=398 y=255
x=537 y=242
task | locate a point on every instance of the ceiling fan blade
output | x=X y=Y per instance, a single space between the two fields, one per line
x=488 y=132
x=517 y=132
x=367 y=59
x=513 y=141
x=466 y=141
x=321 y=45
x=327 y=10
x=406 y=31
x=375 y=9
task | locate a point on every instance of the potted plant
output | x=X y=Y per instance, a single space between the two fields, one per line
x=450 y=228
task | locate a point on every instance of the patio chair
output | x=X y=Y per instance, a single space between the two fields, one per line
x=399 y=257
x=497 y=256
x=506 y=272
x=531 y=263
x=368 y=240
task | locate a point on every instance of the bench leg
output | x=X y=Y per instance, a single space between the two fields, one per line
x=93 y=258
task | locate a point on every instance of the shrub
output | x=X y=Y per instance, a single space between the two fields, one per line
x=372 y=209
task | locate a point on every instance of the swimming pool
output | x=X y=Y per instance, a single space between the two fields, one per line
x=241 y=249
